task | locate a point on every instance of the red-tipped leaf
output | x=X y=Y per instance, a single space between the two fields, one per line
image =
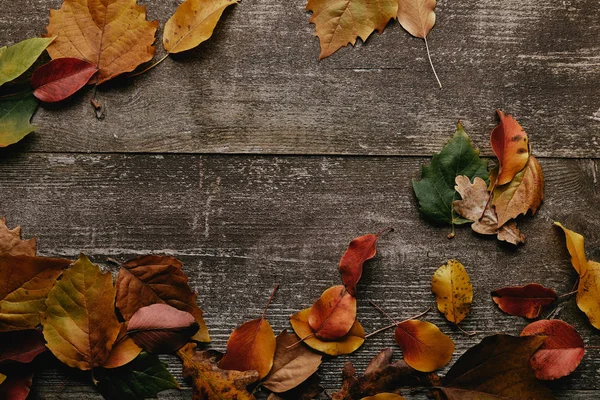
x=61 y=78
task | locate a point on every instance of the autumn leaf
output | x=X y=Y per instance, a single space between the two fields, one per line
x=210 y=382
x=384 y=396
x=453 y=291
x=424 y=347
x=251 y=346
x=80 y=325
x=15 y=114
x=307 y=390
x=340 y=22
x=60 y=78
x=18 y=58
x=525 y=192
x=113 y=35
x=2 y=378
x=435 y=191
x=21 y=346
x=524 y=301
x=511 y=145
x=17 y=384
x=576 y=247
x=144 y=377
x=344 y=345
x=474 y=200
x=124 y=350
x=160 y=328
x=561 y=352
x=496 y=368
x=11 y=242
x=149 y=280
x=332 y=316
x=193 y=23
x=418 y=17
x=293 y=363
x=26 y=282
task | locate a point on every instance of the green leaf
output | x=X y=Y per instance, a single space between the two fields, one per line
x=142 y=378
x=15 y=114
x=16 y=59
x=435 y=191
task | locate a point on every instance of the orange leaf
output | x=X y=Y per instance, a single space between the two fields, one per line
x=511 y=145
x=113 y=35
x=332 y=316
x=424 y=346
x=359 y=250
x=123 y=352
x=11 y=242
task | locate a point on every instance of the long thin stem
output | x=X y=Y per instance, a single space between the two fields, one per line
x=6 y=96
x=383 y=231
x=300 y=341
x=270 y=300
x=431 y=63
x=150 y=67
x=567 y=294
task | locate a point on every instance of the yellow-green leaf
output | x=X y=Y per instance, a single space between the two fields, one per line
x=453 y=291
x=16 y=59
x=15 y=114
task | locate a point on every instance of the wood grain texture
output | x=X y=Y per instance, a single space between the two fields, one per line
x=241 y=224
x=257 y=87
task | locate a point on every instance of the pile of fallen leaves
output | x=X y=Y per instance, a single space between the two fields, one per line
x=115 y=330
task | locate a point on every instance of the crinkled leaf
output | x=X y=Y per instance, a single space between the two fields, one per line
x=424 y=347
x=16 y=59
x=60 y=78
x=15 y=114
x=453 y=291
x=524 y=301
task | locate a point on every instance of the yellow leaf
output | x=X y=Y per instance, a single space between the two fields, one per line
x=424 y=346
x=453 y=291
x=80 y=325
x=2 y=378
x=340 y=22
x=123 y=352
x=113 y=35
x=575 y=245
x=346 y=345
x=588 y=293
x=193 y=22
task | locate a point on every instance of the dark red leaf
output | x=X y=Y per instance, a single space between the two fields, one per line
x=21 y=346
x=359 y=250
x=524 y=301
x=60 y=78
x=17 y=384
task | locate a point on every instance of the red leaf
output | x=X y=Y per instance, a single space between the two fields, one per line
x=561 y=352
x=359 y=250
x=332 y=316
x=160 y=328
x=21 y=346
x=524 y=301
x=17 y=384
x=60 y=78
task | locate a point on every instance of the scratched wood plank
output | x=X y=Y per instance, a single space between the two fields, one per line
x=242 y=224
x=257 y=86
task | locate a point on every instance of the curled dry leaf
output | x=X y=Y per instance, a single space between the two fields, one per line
x=11 y=242
x=340 y=22
x=80 y=324
x=424 y=347
x=193 y=22
x=332 y=316
x=511 y=145
x=149 y=280
x=60 y=78
x=26 y=282
x=21 y=346
x=113 y=35
x=160 y=328
x=344 y=345
x=210 y=382
x=359 y=250
x=16 y=59
x=561 y=352
x=474 y=200
x=453 y=291
x=524 y=301
x=496 y=368
x=293 y=363
x=15 y=114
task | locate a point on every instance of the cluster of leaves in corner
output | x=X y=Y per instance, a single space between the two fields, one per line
x=90 y=45
x=454 y=188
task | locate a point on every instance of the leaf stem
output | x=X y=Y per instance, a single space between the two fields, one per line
x=567 y=294
x=383 y=312
x=300 y=341
x=150 y=67
x=396 y=323
x=6 y=96
x=465 y=332
x=270 y=300
x=384 y=231
x=489 y=199
x=431 y=63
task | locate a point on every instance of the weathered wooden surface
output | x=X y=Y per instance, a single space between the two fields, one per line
x=370 y=116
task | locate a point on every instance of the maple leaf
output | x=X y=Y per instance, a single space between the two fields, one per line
x=113 y=35
x=511 y=145
x=11 y=242
x=60 y=78
x=333 y=314
x=210 y=382
x=193 y=23
x=561 y=352
x=344 y=345
x=15 y=114
x=435 y=191
x=424 y=347
x=149 y=280
x=16 y=59
x=496 y=368
x=293 y=364
x=474 y=201
x=340 y=22
x=524 y=301
x=453 y=291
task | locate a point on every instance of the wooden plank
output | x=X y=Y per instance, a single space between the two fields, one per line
x=241 y=224
x=257 y=87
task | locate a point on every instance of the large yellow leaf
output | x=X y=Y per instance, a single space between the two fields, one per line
x=193 y=23
x=113 y=35
x=80 y=324
x=340 y=22
x=575 y=245
x=453 y=291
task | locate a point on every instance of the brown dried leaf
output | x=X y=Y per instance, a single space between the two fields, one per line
x=11 y=242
